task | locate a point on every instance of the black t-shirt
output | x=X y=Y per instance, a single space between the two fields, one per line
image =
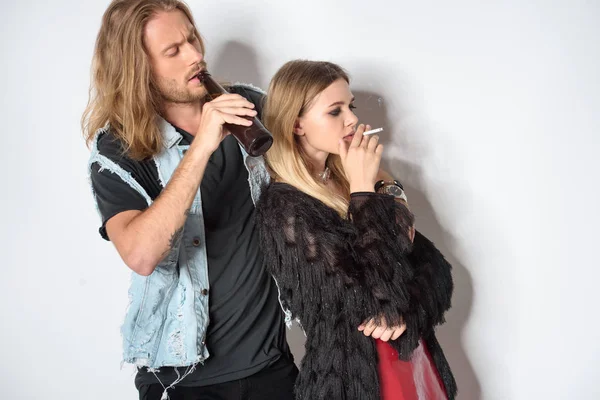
x=246 y=331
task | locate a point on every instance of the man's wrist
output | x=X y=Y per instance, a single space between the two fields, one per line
x=199 y=151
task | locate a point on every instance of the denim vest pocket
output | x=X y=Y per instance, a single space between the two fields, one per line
x=145 y=319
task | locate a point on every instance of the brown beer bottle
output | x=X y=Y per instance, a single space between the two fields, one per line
x=255 y=139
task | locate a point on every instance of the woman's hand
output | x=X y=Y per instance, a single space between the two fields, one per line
x=361 y=159
x=381 y=331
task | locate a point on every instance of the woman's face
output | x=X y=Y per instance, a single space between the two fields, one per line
x=329 y=119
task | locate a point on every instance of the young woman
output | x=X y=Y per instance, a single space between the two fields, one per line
x=365 y=286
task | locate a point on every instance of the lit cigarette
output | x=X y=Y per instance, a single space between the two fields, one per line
x=372 y=131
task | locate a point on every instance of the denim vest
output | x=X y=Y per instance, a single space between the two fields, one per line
x=167 y=317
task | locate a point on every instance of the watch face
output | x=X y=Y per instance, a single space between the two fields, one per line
x=394 y=190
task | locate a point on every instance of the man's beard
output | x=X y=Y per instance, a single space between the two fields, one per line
x=171 y=93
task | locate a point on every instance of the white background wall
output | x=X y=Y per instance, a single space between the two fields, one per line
x=491 y=117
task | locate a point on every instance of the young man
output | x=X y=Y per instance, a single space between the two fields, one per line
x=176 y=195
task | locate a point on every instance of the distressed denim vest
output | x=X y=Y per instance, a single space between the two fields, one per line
x=167 y=317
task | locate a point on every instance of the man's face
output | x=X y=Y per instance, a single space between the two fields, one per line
x=175 y=56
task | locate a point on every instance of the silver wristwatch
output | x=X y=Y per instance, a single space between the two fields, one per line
x=393 y=188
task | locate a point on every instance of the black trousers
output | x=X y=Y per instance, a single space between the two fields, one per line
x=275 y=382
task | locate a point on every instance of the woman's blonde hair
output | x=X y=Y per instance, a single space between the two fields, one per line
x=123 y=92
x=291 y=93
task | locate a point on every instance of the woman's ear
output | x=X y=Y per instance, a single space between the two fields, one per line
x=298 y=128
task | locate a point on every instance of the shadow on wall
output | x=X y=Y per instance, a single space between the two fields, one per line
x=404 y=130
x=237 y=61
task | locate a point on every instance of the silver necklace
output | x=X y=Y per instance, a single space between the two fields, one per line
x=325 y=175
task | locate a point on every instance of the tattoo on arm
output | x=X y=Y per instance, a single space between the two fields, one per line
x=176 y=238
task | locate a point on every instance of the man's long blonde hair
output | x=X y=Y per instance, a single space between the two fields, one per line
x=123 y=92
x=291 y=93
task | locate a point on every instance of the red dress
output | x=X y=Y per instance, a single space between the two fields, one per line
x=416 y=379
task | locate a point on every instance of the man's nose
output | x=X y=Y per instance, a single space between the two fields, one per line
x=195 y=56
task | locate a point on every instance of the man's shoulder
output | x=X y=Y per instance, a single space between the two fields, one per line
x=247 y=87
x=107 y=140
x=252 y=93
x=109 y=145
